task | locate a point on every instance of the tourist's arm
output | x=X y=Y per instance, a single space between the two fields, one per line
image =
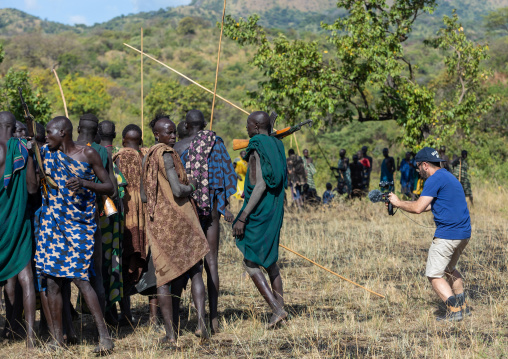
x=105 y=187
x=258 y=190
x=179 y=189
x=423 y=204
x=142 y=184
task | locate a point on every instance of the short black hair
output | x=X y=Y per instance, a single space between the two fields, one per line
x=107 y=130
x=291 y=152
x=328 y=186
x=182 y=130
x=89 y=122
x=41 y=132
x=132 y=127
x=158 y=117
x=195 y=118
x=63 y=123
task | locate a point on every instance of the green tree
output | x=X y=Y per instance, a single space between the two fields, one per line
x=497 y=21
x=368 y=78
x=87 y=94
x=171 y=98
x=38 y=104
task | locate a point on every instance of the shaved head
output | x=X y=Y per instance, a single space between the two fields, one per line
x=61 y=123
x=7 y=118
x=262 y=119
x=181 y=129
x=195 y=119
x=7 y=124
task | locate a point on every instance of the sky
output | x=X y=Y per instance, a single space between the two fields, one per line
x=86 y=12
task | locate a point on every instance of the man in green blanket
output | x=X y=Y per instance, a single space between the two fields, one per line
x=18 y=179
x=257 y=226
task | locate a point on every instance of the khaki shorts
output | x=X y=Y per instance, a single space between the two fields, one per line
x=443 y=256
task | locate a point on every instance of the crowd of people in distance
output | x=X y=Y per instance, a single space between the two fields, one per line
x=353 y=179
x=119 y=221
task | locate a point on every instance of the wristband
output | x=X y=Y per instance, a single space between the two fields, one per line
x=239 y=220
x=193 y=188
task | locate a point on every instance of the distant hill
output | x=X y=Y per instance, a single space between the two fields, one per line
x=13 y=22
x=298 y=14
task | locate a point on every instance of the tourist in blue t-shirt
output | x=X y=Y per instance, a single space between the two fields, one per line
x=443 y=195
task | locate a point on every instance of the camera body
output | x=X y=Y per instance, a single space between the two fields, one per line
x=385 y=188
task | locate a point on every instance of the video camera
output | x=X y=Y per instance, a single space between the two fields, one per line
x=378 y=196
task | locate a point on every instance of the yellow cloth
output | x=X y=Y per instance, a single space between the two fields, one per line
x=241 y=171
x=419 y=187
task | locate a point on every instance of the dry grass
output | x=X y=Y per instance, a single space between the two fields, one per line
x=332 y=318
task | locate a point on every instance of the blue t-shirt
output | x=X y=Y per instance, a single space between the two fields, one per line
x=448 y=206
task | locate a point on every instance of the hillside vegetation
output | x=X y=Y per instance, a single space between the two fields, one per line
x=186 y=38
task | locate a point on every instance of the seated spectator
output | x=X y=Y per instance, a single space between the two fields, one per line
x=328 y=194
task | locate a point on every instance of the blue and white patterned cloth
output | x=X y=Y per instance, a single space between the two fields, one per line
x=65 y=242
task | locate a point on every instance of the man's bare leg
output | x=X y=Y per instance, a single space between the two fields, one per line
x=153 y=305
x=54 y=295
x=198 y=296
x=26 y=281
x=455 y=281
x=276 y=282
x=46 y=314
x=442 y=288
x=164 y=298
x=70 y=333
x=212 y=268
x=96 y=281
x=88 y=293
x=177 y=286
x=262 y=285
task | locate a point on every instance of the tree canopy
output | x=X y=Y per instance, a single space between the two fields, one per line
x=361 y=72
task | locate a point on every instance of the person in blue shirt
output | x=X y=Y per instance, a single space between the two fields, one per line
x=328 y=195
x=443 y=195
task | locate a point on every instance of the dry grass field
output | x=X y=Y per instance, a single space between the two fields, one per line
x=331 y=318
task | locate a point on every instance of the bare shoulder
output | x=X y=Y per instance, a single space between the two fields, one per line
x=182 y=145
x=90 y=154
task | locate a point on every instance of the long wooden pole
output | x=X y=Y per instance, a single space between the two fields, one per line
x=329 y=271
x=187 y=78
x=218 y=61
x=142 y=98
x=297 y=147
x=61 y=92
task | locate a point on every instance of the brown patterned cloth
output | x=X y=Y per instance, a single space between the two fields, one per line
x=176 y=239
x=134 y=254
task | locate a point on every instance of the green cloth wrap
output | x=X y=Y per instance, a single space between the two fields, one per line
x=260 y=243
x=16 y=229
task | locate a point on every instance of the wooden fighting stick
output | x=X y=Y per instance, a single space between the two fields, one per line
x=218 y=60
x=187 y=78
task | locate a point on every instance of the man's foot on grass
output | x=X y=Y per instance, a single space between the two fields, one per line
x=201 y=333
x=214 y=325
x=165 y=340
x=105 y=347
x=466 y=312
x=276 y=319
x=450 y=317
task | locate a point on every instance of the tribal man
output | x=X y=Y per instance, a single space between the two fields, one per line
x=129 y=161
x=18 y=180
x=206 y=159
x=87 y=130
x=68 y=223
x=257 y=226
x=177 y=243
